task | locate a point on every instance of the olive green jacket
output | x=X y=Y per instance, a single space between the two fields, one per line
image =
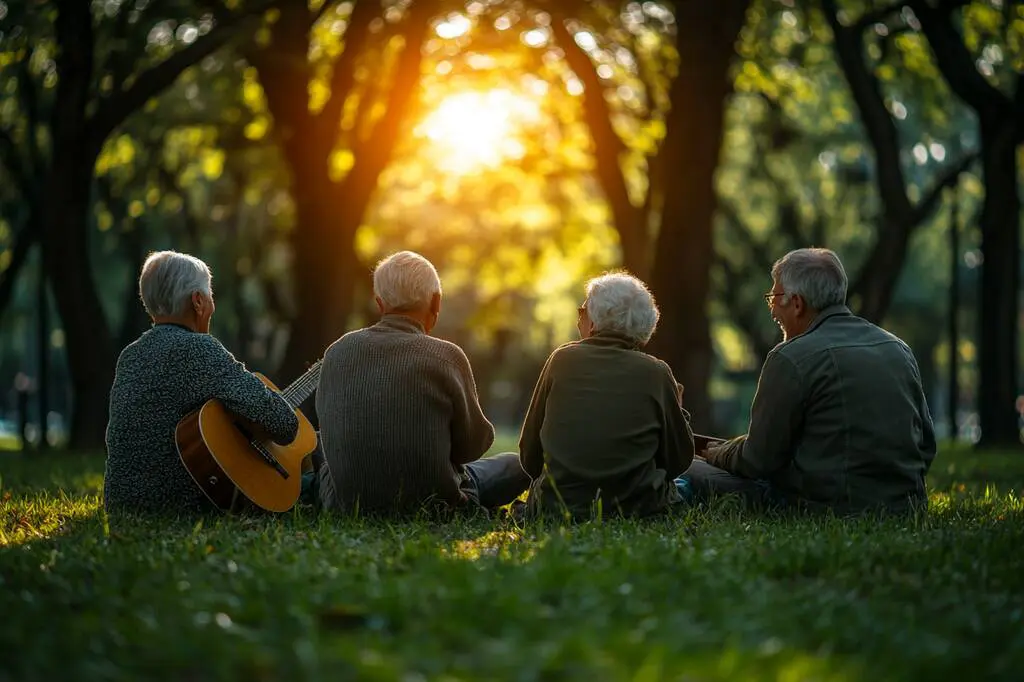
x=605 y=430
x=839 y=420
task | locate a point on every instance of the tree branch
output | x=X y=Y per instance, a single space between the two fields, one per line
x=154 y=80
x=608 y=148
x=849 y=48
x=595 y=106
x=344 y=70
x=373 y=153
x=956 y=63
x=949 y=178
x=877 y=15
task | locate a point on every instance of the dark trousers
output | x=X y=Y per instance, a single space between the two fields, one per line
x=490 y=482
x=707 y=481
x=495 y=481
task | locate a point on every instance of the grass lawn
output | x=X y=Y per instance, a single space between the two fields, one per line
x=713 y=595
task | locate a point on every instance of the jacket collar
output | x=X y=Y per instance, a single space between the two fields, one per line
x=828 y=312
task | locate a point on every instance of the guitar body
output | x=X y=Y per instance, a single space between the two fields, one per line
x=214 y=446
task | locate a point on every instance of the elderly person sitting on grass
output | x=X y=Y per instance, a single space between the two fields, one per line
x=168 y=372
x=839 y=421
x=401 y=425
x=606 y=428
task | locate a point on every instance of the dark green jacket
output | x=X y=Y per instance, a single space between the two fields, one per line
x=839 y=419
x=604 y=424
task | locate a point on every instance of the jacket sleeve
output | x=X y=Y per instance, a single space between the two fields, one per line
x=927 y=444
x=775 y=418
x=472 y=433
x=531 y=451
x=676 y=450
x=244 y=394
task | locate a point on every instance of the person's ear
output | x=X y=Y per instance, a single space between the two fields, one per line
x=799 y=305
x=197 y=302
x=380 y=304
x=435 y=304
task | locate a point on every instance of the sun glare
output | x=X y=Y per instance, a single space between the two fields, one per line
x=472 y=130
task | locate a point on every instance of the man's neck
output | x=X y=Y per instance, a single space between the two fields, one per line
x=419 y=317
x=812 y=315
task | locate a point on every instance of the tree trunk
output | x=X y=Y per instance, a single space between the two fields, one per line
x=90 y=348
x=881 y=272
x=134 y=319
x=328 y=213
x=1000 y=282
x=64 y=227
x=681 y=275
x=325 y=269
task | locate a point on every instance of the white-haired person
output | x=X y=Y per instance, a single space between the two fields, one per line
x=606 y=431
x=839 y=421
x=401 y=425
x=169 y=371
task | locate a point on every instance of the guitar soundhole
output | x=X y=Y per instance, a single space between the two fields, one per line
x=213 y=480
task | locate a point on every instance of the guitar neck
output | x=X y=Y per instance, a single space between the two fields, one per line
x=303 y=387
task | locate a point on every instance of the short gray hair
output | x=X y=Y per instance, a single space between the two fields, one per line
x=817 y=275
x=405 y=280
x=169 y=279
x=619 y=302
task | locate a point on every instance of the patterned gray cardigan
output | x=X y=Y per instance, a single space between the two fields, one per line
x=163 y=375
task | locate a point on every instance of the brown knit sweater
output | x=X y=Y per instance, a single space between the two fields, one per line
x=399 y=416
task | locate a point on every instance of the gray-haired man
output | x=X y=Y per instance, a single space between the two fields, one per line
x=400 y=423
x=839 y=420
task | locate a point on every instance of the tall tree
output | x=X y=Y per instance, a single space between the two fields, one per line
x=675 y=256
x=1001 y=123
x=103 y=74
x=335 y=163
x=900 y=216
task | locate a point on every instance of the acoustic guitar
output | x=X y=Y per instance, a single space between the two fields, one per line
x=230 y=458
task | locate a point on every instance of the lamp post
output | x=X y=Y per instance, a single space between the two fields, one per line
x=43 y=341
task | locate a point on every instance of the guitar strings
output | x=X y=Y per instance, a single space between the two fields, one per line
x=303 y=386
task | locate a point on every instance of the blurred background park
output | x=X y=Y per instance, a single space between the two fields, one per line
x=523 y=146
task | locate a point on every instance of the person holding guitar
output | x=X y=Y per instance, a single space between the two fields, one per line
x=401 y=425
x=172 y=369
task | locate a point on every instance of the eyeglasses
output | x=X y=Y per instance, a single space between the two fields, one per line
x=771 y=295
x=582 y=309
